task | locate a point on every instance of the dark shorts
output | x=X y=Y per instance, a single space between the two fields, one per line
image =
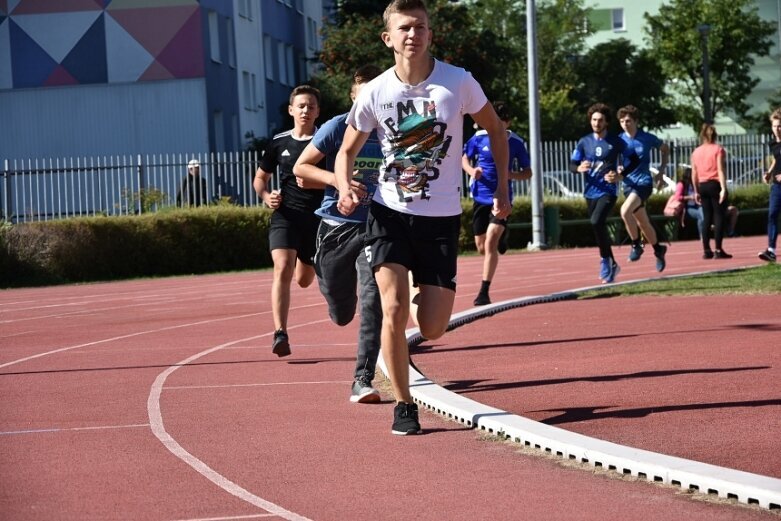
x=427 y=246
x=294 y=230
x=482 y=216
x=643 y=192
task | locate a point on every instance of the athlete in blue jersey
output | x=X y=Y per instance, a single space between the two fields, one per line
x=491 y=232
x=638 y=185
x=597 y=156
x=339 y=260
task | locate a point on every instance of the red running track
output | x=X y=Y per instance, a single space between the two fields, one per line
x=160 y=399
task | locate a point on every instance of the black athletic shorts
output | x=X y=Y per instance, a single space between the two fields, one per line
x=482 y=216
x=427 y=246
x=644 y=192
x=294 y=230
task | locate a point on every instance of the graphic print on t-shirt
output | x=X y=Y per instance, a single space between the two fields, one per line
x=418 y=144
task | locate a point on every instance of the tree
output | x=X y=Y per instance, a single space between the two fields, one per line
x=561 y=33
x=759 y=122
x=736 y=35
x=615 y=73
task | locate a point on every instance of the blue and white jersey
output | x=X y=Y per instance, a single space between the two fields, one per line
x=642 y=144
x=478 y=150
x=328 y=140
x=604 y=155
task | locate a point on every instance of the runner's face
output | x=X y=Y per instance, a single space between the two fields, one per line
x=628 y=124
x=776 y=126
x=408 y=34
x=598 y=122
x=304 y=110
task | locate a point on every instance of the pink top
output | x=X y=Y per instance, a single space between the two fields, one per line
x=679 y=191
x=705 y=162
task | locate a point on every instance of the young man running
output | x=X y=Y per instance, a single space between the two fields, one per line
x=638 y=185
x=340 y=263
x=773 y=178
x=417 y=109
x=490 y=232
x=597 y=156
x=293 y=224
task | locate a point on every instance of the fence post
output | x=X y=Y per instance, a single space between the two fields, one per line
x=141 y=185
x=6 y=191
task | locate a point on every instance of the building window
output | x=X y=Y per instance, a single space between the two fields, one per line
x=311 y=34
x=245 y=9
x=247 y=87
x=291 y=65
x=219 y=132
x=236 y=145
x=618 y=20
x=268 y=56
x=231 y=42
x=214 y=37
x=256 y=101
x=282 y=63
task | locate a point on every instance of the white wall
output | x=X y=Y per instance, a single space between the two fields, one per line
x=84 y=120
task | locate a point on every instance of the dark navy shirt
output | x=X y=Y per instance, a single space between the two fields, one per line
x=604 y=155
x=642 y=144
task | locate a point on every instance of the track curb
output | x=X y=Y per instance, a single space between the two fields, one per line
x=745 y=487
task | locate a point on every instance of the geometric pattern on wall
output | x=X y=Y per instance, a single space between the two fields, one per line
x=56 y=42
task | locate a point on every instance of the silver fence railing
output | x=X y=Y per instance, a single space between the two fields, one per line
x=43 y=189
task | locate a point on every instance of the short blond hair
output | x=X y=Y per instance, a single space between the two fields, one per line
x=776 y=114
x=402 y=6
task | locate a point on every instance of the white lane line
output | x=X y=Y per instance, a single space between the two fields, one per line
x=158 y=429
x=272 y=384
x=139 y=333
x=73 y=429
x=229 y=518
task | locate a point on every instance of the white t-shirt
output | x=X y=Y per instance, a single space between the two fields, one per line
x=420 y=129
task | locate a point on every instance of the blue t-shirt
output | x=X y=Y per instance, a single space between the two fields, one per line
x=604 y=154
x=478 y=150
x=642 y=144
x=327 y=140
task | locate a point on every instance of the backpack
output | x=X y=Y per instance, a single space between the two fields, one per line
x=674 y=208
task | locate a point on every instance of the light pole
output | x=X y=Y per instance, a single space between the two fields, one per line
x=706 y=105
x=538 y=223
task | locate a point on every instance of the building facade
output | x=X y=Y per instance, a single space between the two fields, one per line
x=112 y=77
x=625 y=19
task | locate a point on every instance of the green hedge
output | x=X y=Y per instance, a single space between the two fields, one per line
x=226 y=238
x=199 y=240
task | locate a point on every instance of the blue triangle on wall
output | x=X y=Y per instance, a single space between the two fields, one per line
x=30 y=64
x=87 y=60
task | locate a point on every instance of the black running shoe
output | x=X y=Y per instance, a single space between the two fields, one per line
x=482 y=300
x=707 y=254
x=767 y=256
x=281 y=344
x=405 y=419
x=659 y=252
x=721 y=254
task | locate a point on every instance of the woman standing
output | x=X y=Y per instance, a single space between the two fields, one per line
x=710 y=184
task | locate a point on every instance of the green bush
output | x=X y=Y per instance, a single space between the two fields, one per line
x=187 y=241
x=226 y=237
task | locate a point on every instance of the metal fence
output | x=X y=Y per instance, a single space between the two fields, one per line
x=43 y=189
